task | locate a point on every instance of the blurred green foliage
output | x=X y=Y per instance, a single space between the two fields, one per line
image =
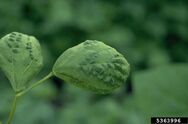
x=151 y=34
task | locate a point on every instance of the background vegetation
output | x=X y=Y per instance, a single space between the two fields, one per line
x=153 y=36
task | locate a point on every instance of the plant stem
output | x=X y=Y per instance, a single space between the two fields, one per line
x=13 y=109
x=36 y=84
x=11 y=114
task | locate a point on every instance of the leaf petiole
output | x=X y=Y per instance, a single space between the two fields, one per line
x=35 y=84
x=13 y=109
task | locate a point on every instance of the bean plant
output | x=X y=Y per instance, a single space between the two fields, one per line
x=91 y=65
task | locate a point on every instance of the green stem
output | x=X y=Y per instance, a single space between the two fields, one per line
x=36 y=84
x=11 y=114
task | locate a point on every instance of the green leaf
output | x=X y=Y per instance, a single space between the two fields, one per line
x=92 y=65
x=20 y=59
x=163 y=91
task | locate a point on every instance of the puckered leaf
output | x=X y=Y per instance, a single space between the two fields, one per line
x=20 y=59
x=92 y=65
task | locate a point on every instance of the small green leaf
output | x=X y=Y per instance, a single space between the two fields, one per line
x=20 y=59
x=94 y=66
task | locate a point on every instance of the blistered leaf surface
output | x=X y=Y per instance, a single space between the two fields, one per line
x=93 y=65
x=20 y=59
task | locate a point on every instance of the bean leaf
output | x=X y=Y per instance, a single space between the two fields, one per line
x=20 y=59
x=92 y=65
